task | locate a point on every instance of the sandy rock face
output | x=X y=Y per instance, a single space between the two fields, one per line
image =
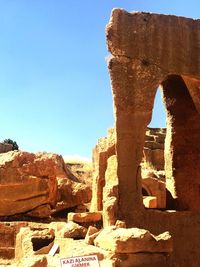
x=29 y=183
x=71 y=194
x=82 y=170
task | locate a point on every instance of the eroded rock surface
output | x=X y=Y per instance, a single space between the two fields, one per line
x=82 y=170
x=27 y=181
x=36 y=184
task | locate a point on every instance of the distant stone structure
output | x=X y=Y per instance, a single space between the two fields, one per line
x=153 y=151
x=5 y=147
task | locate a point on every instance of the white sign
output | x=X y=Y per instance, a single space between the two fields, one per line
x=53 y=250
x=84 y=261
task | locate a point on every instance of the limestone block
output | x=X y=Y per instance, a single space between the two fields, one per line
x=149 y=137
x=111 y=171
x=120 y=224
x=57 y=226
x=85 y=217
x=107 y=263
x=33 y=261
x=72 y=248
x=8 y=233
x=91 y=235
x=133 y=240
x=72 y=230
x=126 y=30
x=28 y=241
x=110 y=211
x=44 y=250
x=141 y=260
x=160 y=138
x=43 y=211
x=27 y=181
x=7 y=236
x=23 y=243
x=150 y=202
x=71 y=194
x=154 y=145
x=156 y=188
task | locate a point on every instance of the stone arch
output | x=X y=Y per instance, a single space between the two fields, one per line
x=142 y=58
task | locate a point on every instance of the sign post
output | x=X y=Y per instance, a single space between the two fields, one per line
x=83 y=261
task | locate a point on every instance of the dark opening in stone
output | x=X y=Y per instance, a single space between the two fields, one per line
x=40 y=242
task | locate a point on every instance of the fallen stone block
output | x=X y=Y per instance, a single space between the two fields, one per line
x=85 y=217
x=133 y=240
x=150 y=202
x=72 y=230
x=91 y=235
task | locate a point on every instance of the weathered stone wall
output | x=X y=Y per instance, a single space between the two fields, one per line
x=154 y=148
x=102 y=151
x=8 y=232
x=183 y=139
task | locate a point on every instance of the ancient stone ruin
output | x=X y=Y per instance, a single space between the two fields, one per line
x=141 y=208
x=152 y=168
x=5 y=147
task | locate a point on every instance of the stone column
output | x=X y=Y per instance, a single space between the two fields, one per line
x=134 y=85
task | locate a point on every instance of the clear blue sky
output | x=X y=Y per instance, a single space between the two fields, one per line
x=55 y=89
